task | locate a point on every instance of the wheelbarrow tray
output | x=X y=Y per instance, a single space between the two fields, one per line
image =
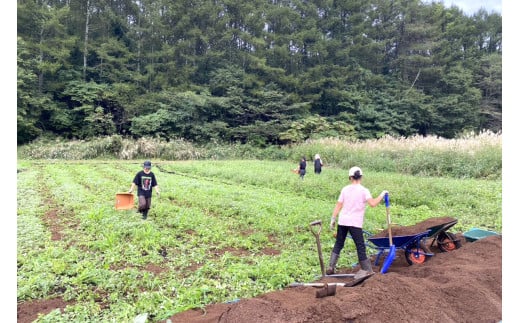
x=477 y=234
x=400 y=242
x=435 y=230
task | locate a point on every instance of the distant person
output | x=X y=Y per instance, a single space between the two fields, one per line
x=317 y=164
x=351 y=206
x=301 y=168
x=145 y=180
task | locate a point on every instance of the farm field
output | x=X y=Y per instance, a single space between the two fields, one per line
x=220 y=231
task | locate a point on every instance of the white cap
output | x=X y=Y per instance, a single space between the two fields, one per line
x=353 y=171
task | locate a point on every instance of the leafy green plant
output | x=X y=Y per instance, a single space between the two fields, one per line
x=221 y=230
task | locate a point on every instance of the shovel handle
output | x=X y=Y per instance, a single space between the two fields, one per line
x=313 y=224
x=318 y=244
x=389 y=222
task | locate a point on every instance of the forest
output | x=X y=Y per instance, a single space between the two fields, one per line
x=258 y=72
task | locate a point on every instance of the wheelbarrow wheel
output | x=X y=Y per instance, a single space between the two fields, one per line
x=415 y=256
x=447 y=241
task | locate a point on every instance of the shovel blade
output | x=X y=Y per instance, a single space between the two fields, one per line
x=307 y=284
x=389 y=259
x=340 y=275
x=358 y=279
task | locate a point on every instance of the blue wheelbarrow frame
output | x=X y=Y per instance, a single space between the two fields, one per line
x=413 y=246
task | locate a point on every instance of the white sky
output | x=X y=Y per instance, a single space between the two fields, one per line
x=472 y=6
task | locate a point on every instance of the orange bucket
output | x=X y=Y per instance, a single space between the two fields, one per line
x=124 y=201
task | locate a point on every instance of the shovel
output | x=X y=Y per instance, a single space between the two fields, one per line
x=351 y=283
x=391 y=254
x=316 y=233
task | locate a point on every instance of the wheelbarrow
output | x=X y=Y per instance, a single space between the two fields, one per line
x=445 y=241
x=413 y=245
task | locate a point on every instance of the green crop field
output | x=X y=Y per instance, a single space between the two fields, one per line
x=220 y=231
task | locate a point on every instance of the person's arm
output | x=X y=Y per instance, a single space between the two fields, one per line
x=156 y=185
x=335 y=212
x=375 y=201
x=133 y=184
x=338 y=207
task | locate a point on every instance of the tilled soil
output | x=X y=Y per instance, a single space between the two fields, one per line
x=462 y=285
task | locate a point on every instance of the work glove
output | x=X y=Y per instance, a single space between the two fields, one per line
x=332 y=223
x=130 y=191
x=383 y=193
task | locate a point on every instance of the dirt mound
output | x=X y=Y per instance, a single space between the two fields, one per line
x=463 y=285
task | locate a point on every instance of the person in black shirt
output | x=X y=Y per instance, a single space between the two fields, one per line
x=145 y=180
x=303 y=165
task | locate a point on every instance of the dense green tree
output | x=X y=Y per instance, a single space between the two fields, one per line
x=31 y=103
x=88 y=116
x=315 y=127
x=260 y=72
x=489 y=81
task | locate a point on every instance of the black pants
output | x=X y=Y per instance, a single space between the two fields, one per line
x=144 y=204
x=357 y=236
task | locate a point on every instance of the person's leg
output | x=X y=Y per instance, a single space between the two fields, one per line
x=341 y=235
x=359 y=241
x=142 y=204
x=148 y=204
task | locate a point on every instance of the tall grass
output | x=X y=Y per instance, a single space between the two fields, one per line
x=470 y=156
x=111 y=147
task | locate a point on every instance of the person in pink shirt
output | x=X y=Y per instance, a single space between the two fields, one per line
x=351 y=205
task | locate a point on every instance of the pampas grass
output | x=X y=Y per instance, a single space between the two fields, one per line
x=469 y=156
